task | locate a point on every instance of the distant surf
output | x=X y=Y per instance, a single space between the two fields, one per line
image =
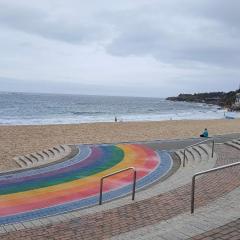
x=31 y=109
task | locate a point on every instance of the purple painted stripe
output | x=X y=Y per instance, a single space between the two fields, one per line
x=97 y=152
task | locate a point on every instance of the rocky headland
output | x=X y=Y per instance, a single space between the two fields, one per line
x=222 y=99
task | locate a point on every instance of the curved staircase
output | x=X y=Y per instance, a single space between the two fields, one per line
x=43 y=157
x=196 y=154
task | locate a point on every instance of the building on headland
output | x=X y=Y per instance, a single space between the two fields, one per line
x=236 y=105
x=237 y=101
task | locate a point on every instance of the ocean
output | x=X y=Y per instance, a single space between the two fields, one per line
x=35 y=108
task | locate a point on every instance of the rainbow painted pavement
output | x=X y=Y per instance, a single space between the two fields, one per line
x=74 y=183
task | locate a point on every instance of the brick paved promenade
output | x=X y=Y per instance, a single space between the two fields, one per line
x=230 y=231
x=104 y=225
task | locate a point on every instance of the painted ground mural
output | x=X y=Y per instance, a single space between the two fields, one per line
x=74 y=183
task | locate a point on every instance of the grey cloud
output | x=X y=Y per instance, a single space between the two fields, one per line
x=150 y=47
x=197 y=33
x=171 y=31
x=45 y=24
x=226 y=12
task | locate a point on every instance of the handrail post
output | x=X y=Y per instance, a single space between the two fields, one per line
x=193 y=194
x=134 y=184
x=204 y=172
x=184 y=157
x=109 y=175
x=213 y=145
x=101 y=190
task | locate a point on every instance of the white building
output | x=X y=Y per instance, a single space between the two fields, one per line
x=237 y=102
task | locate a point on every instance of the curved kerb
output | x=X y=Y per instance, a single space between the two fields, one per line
x=114 y=173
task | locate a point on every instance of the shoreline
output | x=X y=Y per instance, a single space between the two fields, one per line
x=24 y=139
x=120 y=120
x=114 y=123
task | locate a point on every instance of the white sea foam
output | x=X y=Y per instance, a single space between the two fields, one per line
x=30 y=109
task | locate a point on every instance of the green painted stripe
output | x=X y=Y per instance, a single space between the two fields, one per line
x=111 y=155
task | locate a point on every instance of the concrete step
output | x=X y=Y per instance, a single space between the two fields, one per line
x=35 y=156
x=195 y=154
x=234 y=145
x=191 y=153
x=62 y=147
x=28 y=160
x=57 y=149
x=55 y=152
x=51 y=153
x=45 y=153
x=179 y=155
x=32 y=159
x=43 y=157
x=206 y=150
x=236 y=141
x=189 y=156
x=21 y=163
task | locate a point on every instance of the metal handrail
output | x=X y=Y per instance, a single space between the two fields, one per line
x=204 y=172
x=196 y=144
x=114 y=173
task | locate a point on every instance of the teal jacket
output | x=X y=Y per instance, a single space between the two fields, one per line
x=205 y=133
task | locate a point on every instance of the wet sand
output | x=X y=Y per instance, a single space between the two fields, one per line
x=19 y=140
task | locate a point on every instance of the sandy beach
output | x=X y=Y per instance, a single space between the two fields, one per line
x=18 y=140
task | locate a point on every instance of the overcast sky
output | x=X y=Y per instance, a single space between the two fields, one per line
x=128 y=47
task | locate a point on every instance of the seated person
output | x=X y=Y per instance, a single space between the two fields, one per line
x=205 y=133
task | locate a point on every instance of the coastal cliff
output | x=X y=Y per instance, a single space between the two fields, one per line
x=221 y=99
